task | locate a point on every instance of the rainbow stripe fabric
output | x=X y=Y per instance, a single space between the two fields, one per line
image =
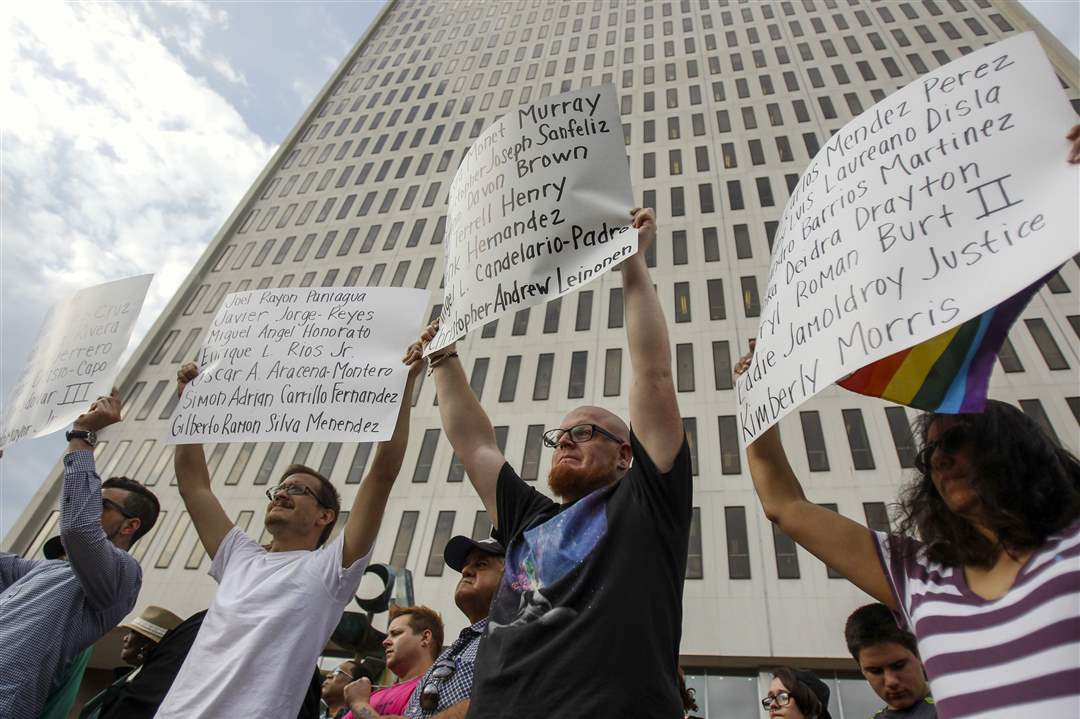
x=948 y=373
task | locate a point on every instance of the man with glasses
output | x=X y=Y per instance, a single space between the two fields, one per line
x=51 y=610
x=596 y=580
x=333 y=690
x=283 y=600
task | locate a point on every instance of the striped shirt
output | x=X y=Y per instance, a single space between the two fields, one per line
x=1017 y=656
x=50 y=610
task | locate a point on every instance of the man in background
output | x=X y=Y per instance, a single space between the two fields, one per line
x=51 y=610
x=333 y=690
x=888 y=657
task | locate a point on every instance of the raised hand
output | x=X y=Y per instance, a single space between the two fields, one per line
x=644 y=219
x=103 y=412
x=185 y=374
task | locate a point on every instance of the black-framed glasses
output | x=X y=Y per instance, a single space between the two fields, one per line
x=293 y=490
x=781 y=699
x=949 y=441
x=578 y=433
x=429 y=693
x=107 y=503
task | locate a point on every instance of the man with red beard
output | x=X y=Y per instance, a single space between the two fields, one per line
x=593 y=582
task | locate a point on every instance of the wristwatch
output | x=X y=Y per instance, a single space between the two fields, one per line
x=89 y=437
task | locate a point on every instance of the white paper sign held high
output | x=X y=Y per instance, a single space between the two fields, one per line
x=539 y=207
x=936 y=204
x=314 y=364
x=75 y=358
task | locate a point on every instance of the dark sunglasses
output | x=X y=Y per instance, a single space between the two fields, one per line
x=429 y=693
x=949 y=441
x=578 y=433
x=109 y=504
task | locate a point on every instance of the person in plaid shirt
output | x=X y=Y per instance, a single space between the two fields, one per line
x=444 y=690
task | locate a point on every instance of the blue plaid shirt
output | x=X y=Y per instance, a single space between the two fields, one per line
x=458 y=686
x=50 y=610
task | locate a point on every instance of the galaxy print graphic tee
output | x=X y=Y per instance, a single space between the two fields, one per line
x=588 y=617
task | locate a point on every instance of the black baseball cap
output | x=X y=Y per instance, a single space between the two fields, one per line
x=458 y=549
x=54 y=548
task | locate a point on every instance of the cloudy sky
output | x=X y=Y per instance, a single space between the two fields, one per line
x=130 y=131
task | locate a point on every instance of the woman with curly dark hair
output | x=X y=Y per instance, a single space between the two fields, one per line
x=985 y=567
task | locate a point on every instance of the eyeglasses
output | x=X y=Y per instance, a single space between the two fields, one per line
x=293 y=490
x=781 y=699
x=578 y=433
x=949 y=441
x=107 y=503
x=429 y=693
x=341 y=672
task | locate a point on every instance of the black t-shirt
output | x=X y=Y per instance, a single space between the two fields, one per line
x=588 y=617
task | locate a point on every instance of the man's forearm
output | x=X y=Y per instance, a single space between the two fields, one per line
x=774 y=481
x=192 y=474
x=464 y=421
x=389 y=454
x=646 y=328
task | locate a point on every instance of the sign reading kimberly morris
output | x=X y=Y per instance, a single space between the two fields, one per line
x=316 y=364
x=931 y=207
x=539 y=207
x=74 y=359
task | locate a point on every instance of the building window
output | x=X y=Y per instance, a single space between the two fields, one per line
x=521 y=323
x=164 y=347
x=1048 y=347
x=240 y=463
x=551 y=315
x=615 y=308
x=862 y=455
x=682 y=301
x=877 y=517
x=583 y=320
x=901 y=435
x=751 y=302
x=358 y=463
x=444 y=526
x=481 y=528
x=612 y=372
x=542 y=384
x=816 y=455
x=510 y=378
x=403 y=541
x=329 y=459
x=179 y=531
x=690 y=429
x=787 y=557
x=530 y=463
x=578 y=366
x=730 y=452
x=151 y=400
x=479 y=376
x=426 y=456
x=1010 y=361
x=684 y=367
x=694 y=564
x=738 y=548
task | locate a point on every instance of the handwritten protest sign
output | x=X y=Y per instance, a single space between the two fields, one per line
x=320 y=364
x=75 y=358
x=929 y=208
x=538 y=208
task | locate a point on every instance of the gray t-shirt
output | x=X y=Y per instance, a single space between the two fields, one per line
x=920 y=710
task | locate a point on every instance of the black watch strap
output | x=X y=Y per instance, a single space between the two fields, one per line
x=89 y=437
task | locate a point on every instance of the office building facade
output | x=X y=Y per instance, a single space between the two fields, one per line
x=723 y=105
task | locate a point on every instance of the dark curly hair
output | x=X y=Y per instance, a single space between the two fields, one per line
x=1028 y=486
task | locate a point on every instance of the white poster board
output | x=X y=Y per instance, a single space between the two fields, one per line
x=539 y=206
x=310 y=364
x=75 y=358
x=931 y=207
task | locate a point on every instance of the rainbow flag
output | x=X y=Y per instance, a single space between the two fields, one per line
x=948 y=373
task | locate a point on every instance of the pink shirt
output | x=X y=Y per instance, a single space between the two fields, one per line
x=392 y=700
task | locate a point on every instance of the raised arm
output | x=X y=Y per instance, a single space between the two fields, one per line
x=193 y=481
x=845 y=545
x=654 y=411
x=465 y=422
x=370 y=502
x=107 y=573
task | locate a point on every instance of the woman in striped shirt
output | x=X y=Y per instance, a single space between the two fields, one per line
x=991 y=587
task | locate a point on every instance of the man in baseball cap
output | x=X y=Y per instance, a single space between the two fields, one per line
x=144 y=632
x=447 y=684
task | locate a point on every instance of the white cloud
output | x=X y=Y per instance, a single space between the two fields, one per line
x=190 y=34
x=116 y=161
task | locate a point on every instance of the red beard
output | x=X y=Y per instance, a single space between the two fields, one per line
x=573 y=483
